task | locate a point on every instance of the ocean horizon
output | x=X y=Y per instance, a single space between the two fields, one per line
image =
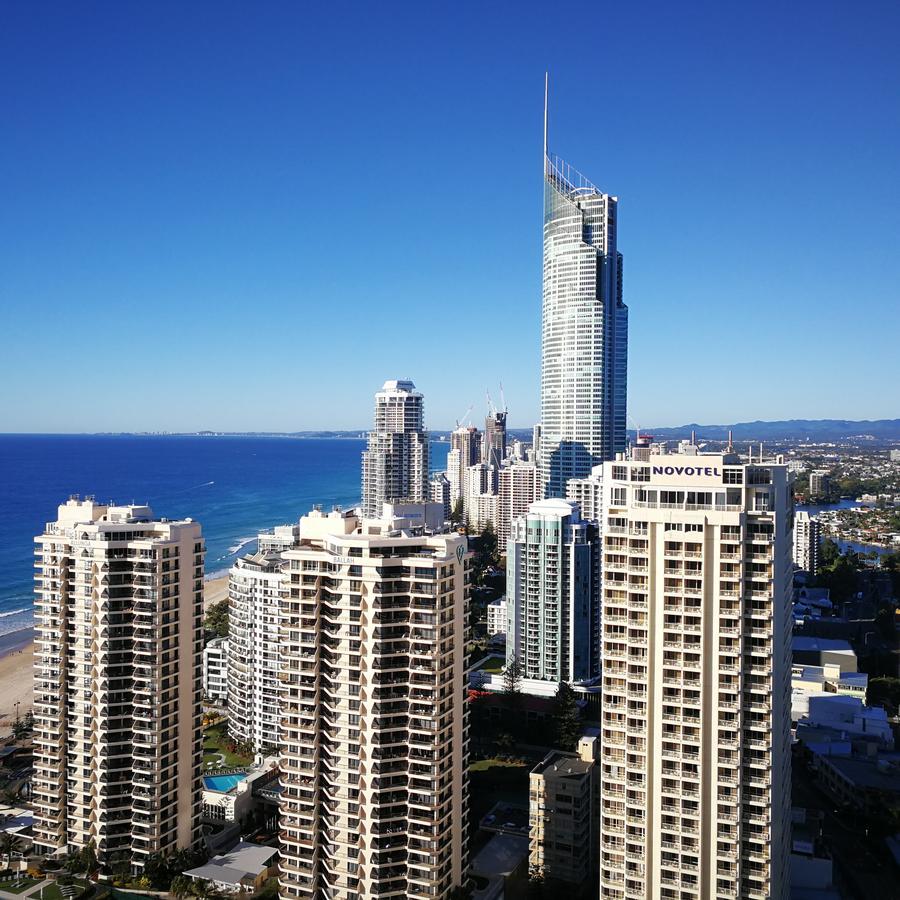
x=234 y=485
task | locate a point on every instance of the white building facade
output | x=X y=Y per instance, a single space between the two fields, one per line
x=695 y=760
x=257 y=584
x=215 y=670
x=807 y=541
x=375 y=740
x=117 y=682
x=395 y=464
x=584 y=330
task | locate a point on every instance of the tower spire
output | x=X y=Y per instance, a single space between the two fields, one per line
x=546 y=104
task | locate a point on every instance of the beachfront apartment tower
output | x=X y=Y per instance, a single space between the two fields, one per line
x=374 y=721
x=553 y=590
x=695 y=758
x=395 y=465
x=807 y=541
x=256 y=585
x=117 y=682
x=584 y=328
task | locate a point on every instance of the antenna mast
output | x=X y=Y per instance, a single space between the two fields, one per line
x=546 y=106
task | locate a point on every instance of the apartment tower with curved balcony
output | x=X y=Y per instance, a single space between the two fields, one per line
x=584 y=327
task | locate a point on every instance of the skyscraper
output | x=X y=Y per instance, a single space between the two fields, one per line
x=553 y=592
x=584 y=329
x=465 y=451
x=695 y=759
x=117 y=682
x=494 y=445
x=395 y=465
x=374 y=733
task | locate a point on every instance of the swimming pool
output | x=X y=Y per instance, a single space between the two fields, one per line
x=223 y=783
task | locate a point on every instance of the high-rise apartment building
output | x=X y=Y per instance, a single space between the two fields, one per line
x=695 y=759
x=374 y=722
x=465 y=451
x=553 y=591
x=588 y=494
x=395 y=465
x=819 y=484
x=807 y=541
x=518 y=486
x=117 y=682
x=257 y=584
x=480 y=497
x=439 y=487
x=584 y=330
x=494 y=443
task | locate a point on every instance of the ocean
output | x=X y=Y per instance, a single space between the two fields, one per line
x=234 y=486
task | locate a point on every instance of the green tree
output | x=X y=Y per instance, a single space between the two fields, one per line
x=9 y=844
x=457 y=513
x=512 y=679
x=217 y=618
x=829 y=554
x=884 y=692
x=88 y=862
x=566 y=718
x=159 y=870
x=204 y=889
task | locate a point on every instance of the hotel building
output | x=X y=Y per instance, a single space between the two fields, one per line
x=117 y=682
x=395 y=465
x=553 y=592
x=374 y=720
x=584 y=329
x=695 y=760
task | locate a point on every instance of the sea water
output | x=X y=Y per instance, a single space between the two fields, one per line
x=235 y=486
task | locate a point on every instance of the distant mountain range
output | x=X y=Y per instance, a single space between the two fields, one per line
x=791 y=429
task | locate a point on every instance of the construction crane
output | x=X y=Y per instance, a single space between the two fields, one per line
x=492 y=410
x=461 y=422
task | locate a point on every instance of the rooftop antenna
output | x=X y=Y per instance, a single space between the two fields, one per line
x=546 y=106
x=693 y=438
x=730 y=442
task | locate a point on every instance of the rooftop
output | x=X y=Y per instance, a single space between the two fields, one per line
x=562 y=764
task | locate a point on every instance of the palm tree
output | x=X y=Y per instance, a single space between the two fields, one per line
x=205 y=890
x=9 y=844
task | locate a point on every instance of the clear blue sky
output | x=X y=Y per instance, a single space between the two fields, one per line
x=248 y=216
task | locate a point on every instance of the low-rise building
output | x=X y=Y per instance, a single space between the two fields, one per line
x=215 y=669
x=562 y=797
x=496 y=617
x=245 y=868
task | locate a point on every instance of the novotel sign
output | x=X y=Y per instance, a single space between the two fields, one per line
x=685 y=470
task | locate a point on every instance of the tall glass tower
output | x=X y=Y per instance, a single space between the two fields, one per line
x=584 y=330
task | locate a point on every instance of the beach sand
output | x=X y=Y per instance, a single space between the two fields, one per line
x=214 y=590
x=16 y=682
x=17 y=659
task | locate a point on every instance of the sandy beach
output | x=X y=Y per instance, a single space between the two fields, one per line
x=17 y=659
x=16 y=676
x=214 y=590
